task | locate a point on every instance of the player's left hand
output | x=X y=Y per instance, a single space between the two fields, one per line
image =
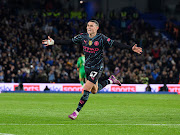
x=137 y=49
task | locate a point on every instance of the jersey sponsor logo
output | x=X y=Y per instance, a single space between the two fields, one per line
x=123 y=88
x=90 y=50
x=96 y=43
x=72 y=88
x=90 y=42
x=30 y=87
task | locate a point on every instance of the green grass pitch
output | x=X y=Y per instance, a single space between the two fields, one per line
x=103 y=114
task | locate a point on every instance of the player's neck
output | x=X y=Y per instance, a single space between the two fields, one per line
x=92 y=35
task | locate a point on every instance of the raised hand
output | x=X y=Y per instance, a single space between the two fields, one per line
x=137 y=49
x=48 y=41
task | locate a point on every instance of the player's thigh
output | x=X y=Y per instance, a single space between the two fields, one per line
x=88 y=86
x=82 y=75
x=92 y=76
x=81 y=79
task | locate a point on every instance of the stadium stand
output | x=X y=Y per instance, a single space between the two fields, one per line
x=24 y=59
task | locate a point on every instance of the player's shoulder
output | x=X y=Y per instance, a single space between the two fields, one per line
x=100 y=34
x=83 y=34
x=80 y=35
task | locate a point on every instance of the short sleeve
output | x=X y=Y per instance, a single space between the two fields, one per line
x=107 y=41
x=77 y=39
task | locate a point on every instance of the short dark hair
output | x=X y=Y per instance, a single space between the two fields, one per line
x=96 y=22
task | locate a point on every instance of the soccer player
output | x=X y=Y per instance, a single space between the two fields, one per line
x=80 y=68
x=93 y=45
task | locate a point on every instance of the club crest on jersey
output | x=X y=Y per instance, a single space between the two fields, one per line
x=90 y=42
x=96 y=43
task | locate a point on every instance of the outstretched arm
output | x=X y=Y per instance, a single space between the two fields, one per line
x=111 y=42
x=50 y=41
x=123 y=46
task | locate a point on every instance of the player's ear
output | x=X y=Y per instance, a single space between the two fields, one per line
x=97 y=28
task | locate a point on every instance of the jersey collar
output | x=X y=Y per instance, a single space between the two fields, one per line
x=93 y=37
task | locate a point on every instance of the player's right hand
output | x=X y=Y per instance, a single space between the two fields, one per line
x=48 y=41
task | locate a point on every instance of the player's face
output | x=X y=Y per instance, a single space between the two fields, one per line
x=92 y=28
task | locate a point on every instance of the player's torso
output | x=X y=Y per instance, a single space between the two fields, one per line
x=93 y=49
x=92 y=45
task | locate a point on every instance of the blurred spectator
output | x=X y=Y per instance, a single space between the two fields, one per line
x=46 y=88
x=7 y=76
x=164 y=88
x=144 y=79
x=66 y=79
x=1 y=76
x=148 y=88
x=41 y=77
x=51 y=76
x=156 y=53
x=20 y=87
x=116 y=71
x=58 y=78
x=155 y=74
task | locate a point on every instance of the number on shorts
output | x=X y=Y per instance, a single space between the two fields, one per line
x=93 y=74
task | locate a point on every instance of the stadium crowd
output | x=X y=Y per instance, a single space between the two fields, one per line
x=24 y=59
